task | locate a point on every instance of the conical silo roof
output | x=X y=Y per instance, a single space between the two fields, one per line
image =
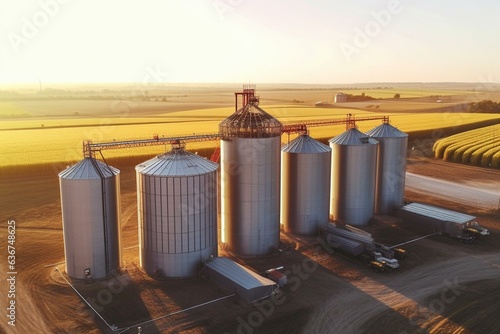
x=250 y=121
x=177 y=163
x=386 y=130
x=305 y=144
x=88 y=169
x=352 y=137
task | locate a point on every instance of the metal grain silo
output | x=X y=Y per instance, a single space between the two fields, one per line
x=354 y=164
x=250 y=174
x=391 y=170
x=90 y=203
x=305 y=185
x=177 y=213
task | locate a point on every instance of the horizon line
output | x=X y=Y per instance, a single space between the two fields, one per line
x=152 y=85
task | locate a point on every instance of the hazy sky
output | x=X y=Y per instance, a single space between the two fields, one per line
x=277 y=41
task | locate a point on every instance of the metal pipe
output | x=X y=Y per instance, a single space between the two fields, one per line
x=413 y=240
x=104 y=211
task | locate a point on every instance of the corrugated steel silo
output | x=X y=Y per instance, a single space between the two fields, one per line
x=354 y=165
x=250 y=174
x=90 y=203
x=177 y=213
x=305 y=185
x=391 y=171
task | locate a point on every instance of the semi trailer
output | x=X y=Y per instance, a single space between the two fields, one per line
x=360 y=245
x=434 y=219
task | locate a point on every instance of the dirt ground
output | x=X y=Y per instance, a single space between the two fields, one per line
x=444 y=286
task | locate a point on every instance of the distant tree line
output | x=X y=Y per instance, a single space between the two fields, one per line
x=358 y=98
x=63 y=94
x=18 y=97
x=361 y=88
x=153 y=98
x=7 y=93
x=485 y=106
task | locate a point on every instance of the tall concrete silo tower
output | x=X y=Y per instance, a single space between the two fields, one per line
x=354 y=165
x=305 y=185
x=90 y=203
x=177 y=213
x=250 y=177
x=391 y=169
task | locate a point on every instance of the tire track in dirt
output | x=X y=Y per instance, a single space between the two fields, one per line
x=352 y=312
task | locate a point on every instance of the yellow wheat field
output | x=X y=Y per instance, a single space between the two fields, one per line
x=27 y=142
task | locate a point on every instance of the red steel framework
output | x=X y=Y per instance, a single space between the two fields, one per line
x=89 y=148
x=248 y=95
x=349 y=121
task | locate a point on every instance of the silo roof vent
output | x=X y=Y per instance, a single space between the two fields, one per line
x=305 y=144
x=352 y=137
x=386 y=130
x=87 y=169
x=176 y=163
x=250 y=121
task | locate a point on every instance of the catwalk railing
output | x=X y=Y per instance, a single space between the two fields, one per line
x=89 y=147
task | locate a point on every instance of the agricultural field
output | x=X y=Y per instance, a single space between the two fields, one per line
x=413 y=123
x=411 y=105
x=480 y=147
x=64 y=144
x=59 y=140
x=404 y=93
x=71 y=109
x=335 y=296
x=37 y=131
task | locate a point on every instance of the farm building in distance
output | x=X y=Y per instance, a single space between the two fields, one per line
x=340 y=97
